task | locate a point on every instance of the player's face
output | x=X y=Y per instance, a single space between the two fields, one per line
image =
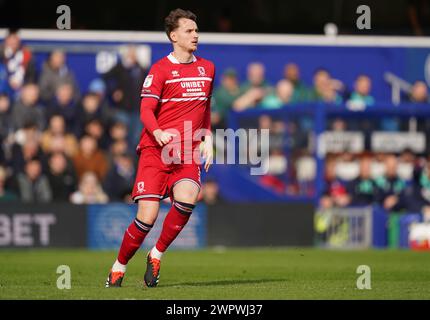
x=186 y=36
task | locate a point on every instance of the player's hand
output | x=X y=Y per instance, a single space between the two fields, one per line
x=207 y=152
x=163 y=137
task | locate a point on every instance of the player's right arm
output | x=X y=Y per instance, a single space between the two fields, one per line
x=151 y=92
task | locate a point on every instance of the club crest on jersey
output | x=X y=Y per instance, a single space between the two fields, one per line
x=202 y=71
x=175 y=73
x=141 y=187
x=148 y=81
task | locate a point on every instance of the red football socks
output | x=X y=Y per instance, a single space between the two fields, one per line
x=132 y=240
x=174 y=222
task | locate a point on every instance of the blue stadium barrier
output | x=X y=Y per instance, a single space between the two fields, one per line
x=106 y=225
x=379 y=227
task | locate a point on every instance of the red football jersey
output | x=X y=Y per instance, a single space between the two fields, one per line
x=179 y=96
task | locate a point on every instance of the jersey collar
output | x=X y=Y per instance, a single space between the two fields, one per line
x=175 y=61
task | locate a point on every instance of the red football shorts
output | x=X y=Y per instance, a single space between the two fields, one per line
x=155 y=179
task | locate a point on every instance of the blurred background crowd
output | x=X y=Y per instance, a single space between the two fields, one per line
x=58 y=143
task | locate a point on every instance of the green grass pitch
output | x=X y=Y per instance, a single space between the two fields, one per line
x=281 y=273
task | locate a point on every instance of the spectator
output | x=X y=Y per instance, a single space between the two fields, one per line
x=281 y=97
x=278 y=135
x=120 y=178
x=65 y=105
x=325 y=88
x=419 y=93
x=124 y=81
x=32 y=184
x=55 y=138
x=91 y=108
x=25 y=150
x=276 y=163
x=335 y=193
x=338 y=125
x=305 y=172
x=292 y=74
x=255 y=138
x=5 y=117
x=18 y=60
x=297 y=132
x=118 y=131
x=97 y=86
x=363 y=190
x=223 y=98
x=90 y=158
x=210 y=192
x=407 y=165
x=417 y=196
x=29 y=133
x=254 y=89
x=390 y=186
x=27 y=110
x=96 y=129
x=124 y=85
x=5 y=194
x=347 y=166
x=90 y=191
x=117 y=148
x=55 y=73
x=61 y=176
x=275 y=166
x=360 y=98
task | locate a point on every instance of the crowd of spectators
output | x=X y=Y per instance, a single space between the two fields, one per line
x=58 y=143
x=62 y=142
x=291 y=170
x=398 y=183
x=257 y=93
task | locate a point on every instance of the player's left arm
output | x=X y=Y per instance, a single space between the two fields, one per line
x=207 y=151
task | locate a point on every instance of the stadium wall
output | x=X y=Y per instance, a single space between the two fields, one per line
x=261 y=224
x=101 y=227
x=50 y=225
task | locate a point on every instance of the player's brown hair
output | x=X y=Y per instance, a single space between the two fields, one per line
x=172 y=20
